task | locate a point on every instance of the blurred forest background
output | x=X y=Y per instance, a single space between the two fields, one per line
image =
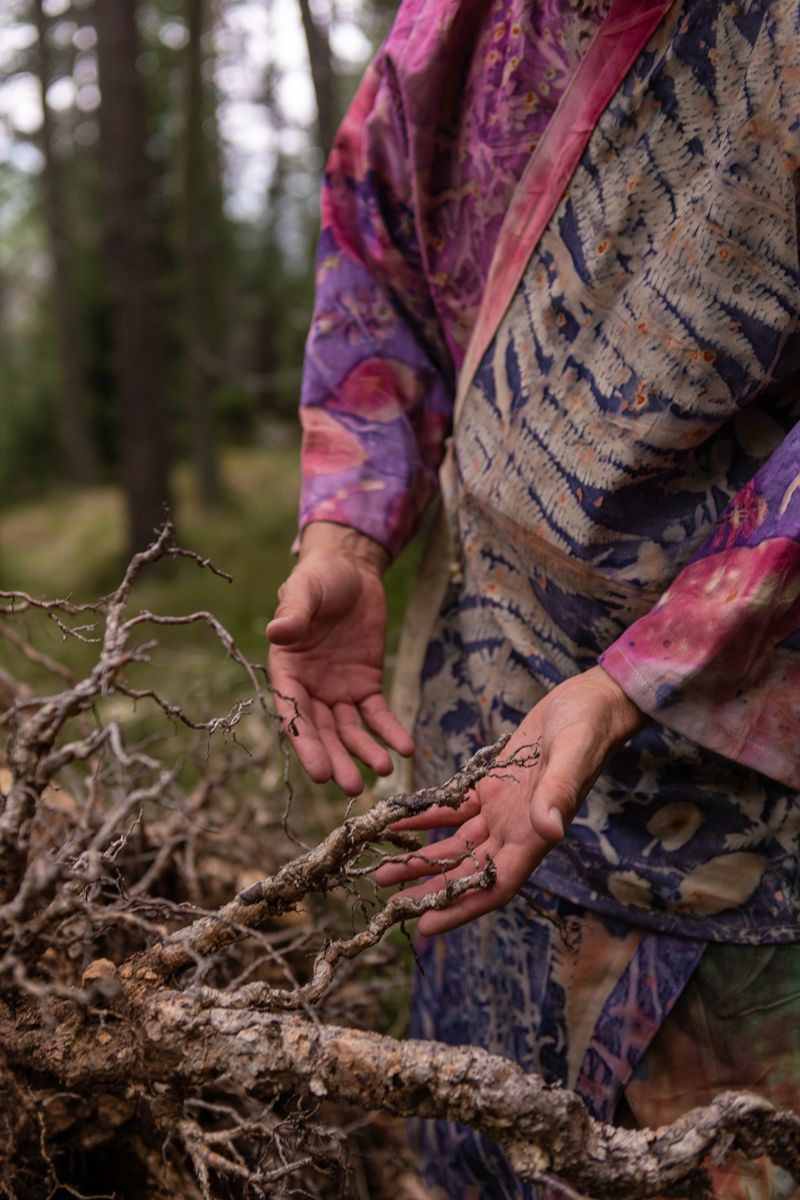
x=160 y=163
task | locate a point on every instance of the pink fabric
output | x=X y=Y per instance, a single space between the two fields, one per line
x=416 y=190
x=424 y=171
x=728 y=617
x=623 y=34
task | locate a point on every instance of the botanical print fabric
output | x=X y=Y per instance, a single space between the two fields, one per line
x=626 y=453
x=614 y=1012
x=628 y=464
x=735 y=1027
x=563 y=992
x=417 y=186
x=628 y=490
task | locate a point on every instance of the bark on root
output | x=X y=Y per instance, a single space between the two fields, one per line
x=174 y=1041
x=155 y=1005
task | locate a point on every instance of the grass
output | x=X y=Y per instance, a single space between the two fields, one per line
x=71 y=543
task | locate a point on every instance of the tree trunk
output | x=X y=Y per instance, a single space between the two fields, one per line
x=323 y=76
x=199 y=276
x=138 y=348
x=72 y=402
x=167 y=1046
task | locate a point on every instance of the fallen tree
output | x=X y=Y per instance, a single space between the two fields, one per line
x=170 y=1016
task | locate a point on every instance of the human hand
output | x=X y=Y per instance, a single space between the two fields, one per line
x=515 y=821
x=326 y=658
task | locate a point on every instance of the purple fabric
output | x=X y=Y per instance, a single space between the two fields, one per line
x=416 y=189
x=575 y=997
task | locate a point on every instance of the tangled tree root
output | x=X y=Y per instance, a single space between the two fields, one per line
x=169 y=1020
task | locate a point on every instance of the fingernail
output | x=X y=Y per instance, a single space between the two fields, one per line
x=557 y=819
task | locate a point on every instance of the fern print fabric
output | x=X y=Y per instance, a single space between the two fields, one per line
x=627 y=452
x=630 y=483
x=628 y=459
x=415 y=191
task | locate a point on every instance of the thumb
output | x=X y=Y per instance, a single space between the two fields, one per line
x=299 y=599
x=558 y=794
x=554 y=803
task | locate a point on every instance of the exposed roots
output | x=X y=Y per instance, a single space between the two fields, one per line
x=170 y=963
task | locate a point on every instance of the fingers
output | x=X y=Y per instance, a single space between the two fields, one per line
x=293 y=707
x=323 y=737
x=439 y=817
x=299 y=597
x=513 y=868
x=429 y=860
x=380 y=720
x=474 y=904
x=311 y=729
x=344 y=771
x=357 y=741
x=568 y=774
x=522 y=818
x=554 y=804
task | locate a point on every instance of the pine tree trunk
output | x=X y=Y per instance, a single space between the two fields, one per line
x=199 y=281
x=138 y=347
x=323 y=76
x=72 y=402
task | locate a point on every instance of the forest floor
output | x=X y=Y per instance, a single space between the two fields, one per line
x=71 y=543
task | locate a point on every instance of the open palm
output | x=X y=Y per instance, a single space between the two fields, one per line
x=514 y=818
x=326 y=666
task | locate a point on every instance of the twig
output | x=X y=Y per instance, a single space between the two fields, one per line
x=398 y=908
x=315 y=870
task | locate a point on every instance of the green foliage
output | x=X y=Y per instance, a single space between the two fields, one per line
x=260 y=252
x=73 y=545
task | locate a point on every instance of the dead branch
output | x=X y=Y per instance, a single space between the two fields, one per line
x=149 y=974
x=543 y=1129
x=318 y=869
x=398 y=908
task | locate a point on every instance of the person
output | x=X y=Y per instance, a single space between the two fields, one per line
x=564 y=232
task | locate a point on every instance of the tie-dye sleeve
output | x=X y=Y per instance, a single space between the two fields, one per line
x=718 y=657
x=377 y=383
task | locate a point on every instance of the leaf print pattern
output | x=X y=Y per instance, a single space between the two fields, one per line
x=615 y=505
x=673 y=825
x=722 y=882
x=415 y=191
x=629 y=491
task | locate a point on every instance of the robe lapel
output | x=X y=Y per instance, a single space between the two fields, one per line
x=620 y=39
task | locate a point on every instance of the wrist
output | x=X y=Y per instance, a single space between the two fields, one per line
x=628 y=718
x=326 y=537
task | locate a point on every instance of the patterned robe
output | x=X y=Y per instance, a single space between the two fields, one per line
x=629 y=488
x=596 y=229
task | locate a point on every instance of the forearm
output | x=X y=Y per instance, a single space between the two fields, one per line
x=717 y=658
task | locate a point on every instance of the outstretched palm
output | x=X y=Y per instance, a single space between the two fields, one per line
x=515 y=820
x=326 y=666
